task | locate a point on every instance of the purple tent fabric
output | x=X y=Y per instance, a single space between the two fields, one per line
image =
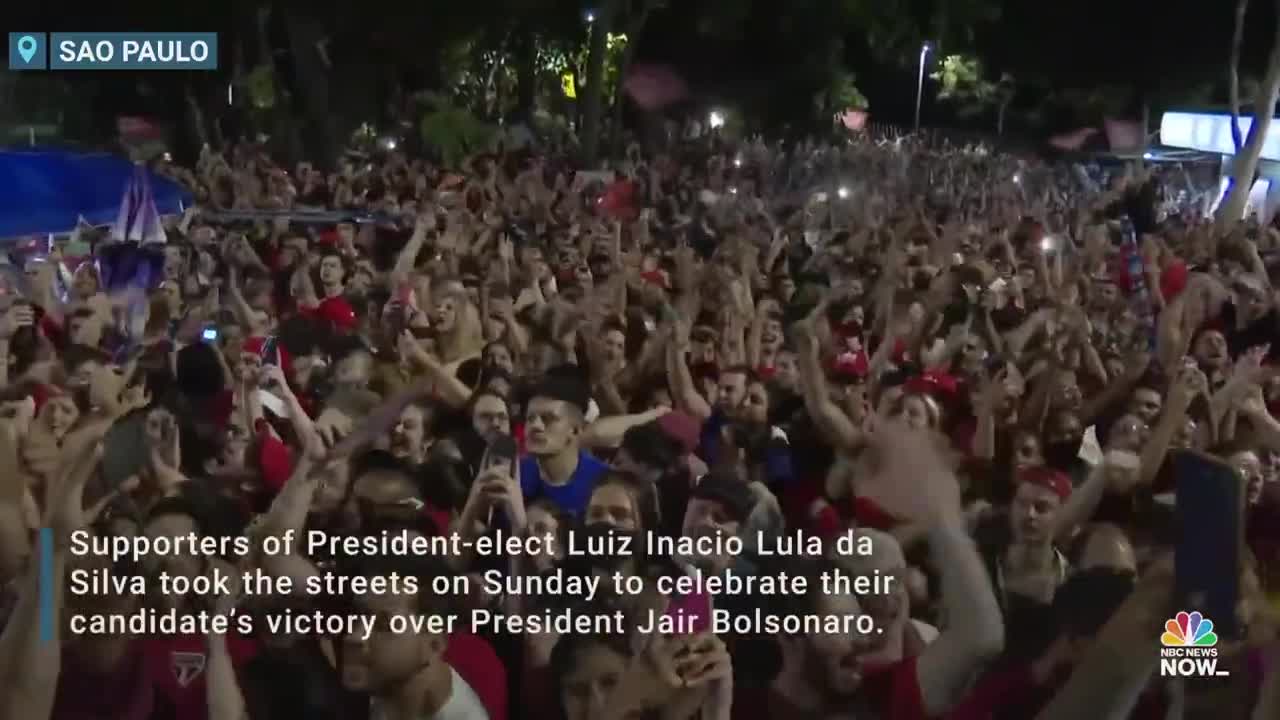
x=132 y=259
x=138 y=219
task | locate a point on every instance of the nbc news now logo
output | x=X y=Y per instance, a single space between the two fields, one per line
x=1190 y=647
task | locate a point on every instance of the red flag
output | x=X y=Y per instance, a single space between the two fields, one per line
x=618 y=200
x=855 y=120
x=1073 y=140
x=1124 y=135
x=654 y=87
x=136 y=128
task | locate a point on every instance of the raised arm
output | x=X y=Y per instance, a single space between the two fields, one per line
x=975 y=633
x=914 y=482
x=831 y=421
x=683 y=389
x=31 y=646
x=607 y=432
x=1113 y=672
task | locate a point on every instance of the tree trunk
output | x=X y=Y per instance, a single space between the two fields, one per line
x=311 y=79
x=1000 y=118
x=1233 y=72
x=526 y=75
x=199 y=126
x=594 y=100
x=634 y=28
x=1245 y=164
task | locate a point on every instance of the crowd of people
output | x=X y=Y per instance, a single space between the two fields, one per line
x=984 y=365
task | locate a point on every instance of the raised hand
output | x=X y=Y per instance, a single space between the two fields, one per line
x=913 y=479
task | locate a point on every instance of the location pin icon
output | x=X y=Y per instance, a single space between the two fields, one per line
x=27 y=48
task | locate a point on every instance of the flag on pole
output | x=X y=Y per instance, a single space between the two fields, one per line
x=138 y=220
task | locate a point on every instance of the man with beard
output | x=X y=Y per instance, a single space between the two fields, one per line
x=828 y=675
x=419 y=674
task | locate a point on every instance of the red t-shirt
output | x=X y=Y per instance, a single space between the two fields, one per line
x=336 y=310
x=474 y=659
x=891 y=692
x=124 y=692
x=176 y=666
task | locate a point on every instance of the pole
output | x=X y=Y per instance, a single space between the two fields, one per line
x=920 y=84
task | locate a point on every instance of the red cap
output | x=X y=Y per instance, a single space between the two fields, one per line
x=682 y=428
x=1048 y=478
x=851 y=366
x=936 y=384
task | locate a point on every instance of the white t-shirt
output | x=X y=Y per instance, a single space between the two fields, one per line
x=463 y=704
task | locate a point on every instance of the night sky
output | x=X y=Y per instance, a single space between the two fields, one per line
x=1148 y=46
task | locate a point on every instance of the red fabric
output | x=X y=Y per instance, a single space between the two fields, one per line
x=868 y=513
x=939 y=385
x=177 y=664
x=900 y=354
x=893 y=691
x=51 y=328
x=1016 y=688
x=1055 y=481
x=1009 y=688
x=41 y=393
x=853 y=366
x=517 y=433
x=1173 y=279
x=125 y=692
x=275 y=459
x=797 y=499
x=656 y=277
x=474 y=659
x=619 y=200
x=336 y=310
x=439 y=517
x=682 y=428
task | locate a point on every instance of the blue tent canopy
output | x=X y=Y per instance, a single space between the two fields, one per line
x=49 y=191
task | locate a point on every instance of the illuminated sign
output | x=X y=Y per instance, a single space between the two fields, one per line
x=1208 y=132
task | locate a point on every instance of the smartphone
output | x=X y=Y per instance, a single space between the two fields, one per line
x=1210 y=537
x=500 y=455
x=269 y=351
x=209 y=334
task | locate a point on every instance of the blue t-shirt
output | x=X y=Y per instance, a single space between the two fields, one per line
x=571 y=497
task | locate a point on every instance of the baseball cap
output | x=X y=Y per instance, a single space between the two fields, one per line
x=1048 y=478
x=683 y=429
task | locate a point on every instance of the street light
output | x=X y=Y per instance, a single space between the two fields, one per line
x=924 y=52
x=715 y=119
x=590 y=16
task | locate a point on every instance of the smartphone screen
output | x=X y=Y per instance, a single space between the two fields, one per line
x=501 y=455
x=1210 y=536
x=269 y=351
